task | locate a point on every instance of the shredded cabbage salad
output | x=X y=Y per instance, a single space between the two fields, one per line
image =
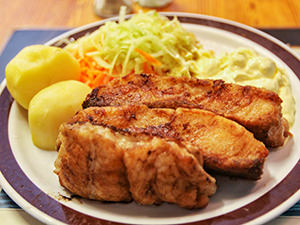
x=145 y=43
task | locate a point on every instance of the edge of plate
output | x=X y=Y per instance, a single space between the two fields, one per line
x=25 y=205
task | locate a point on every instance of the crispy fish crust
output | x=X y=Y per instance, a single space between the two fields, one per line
x=259 y=110
x=98 y=163
x=227 y=147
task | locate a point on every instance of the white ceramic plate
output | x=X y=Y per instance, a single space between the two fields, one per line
x=27 y=172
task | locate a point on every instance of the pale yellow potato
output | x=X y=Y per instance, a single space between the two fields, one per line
x=36 y=67
x=52 y=106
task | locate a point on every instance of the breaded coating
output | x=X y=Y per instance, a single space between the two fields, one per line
x=227 y=147
x=97 y=163
x=257 y=109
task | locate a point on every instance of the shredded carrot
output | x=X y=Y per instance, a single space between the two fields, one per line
x=148 y=57
x=147 y=68
x=90 y=73
x=94 y=75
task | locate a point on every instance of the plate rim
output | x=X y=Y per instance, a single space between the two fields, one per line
x=292 y=199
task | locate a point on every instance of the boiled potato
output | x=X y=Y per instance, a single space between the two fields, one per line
x=52 y=106
x=36 y=67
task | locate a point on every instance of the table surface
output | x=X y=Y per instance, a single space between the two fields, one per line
x=16 y=14
x=20 y=14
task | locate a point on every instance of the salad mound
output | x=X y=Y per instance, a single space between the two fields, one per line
x=146 y=43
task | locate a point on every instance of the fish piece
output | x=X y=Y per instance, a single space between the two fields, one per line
x=165 y=171
x=98 y=163
x=227 y=147
x=90 y=165
x=257 y=109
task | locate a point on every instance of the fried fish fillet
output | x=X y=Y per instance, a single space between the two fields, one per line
x=227 y=147
x=259 y=110
x=97 y=163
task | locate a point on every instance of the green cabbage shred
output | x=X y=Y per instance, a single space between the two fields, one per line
x=113 y=45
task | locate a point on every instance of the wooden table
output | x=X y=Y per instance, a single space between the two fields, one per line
x=72 y=13
x=16 y=14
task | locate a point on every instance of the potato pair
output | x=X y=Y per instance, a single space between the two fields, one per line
x=42 y=79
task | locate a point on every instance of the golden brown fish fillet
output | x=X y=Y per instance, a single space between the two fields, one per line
x=227 y=147
x=98 y=163
x=90 y=165
x=259 y=110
